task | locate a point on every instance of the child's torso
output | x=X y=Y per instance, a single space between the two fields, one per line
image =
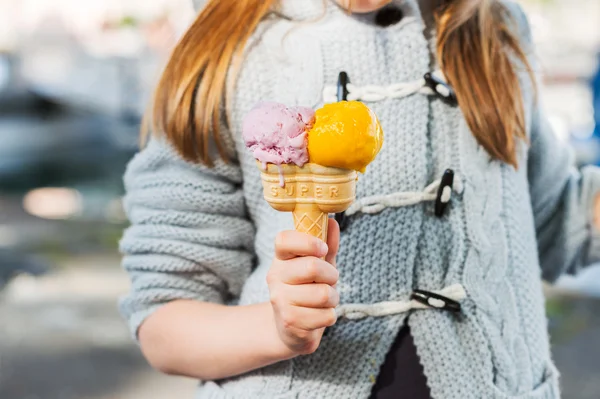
x=485 y=240
x=421 y=141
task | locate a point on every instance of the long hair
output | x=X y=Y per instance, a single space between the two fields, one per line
x=188 y=100
x=475 y=48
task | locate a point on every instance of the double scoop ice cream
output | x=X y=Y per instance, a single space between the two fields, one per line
x=278 y=134
x=309 y=159
x=341 y=135
x=345 y=135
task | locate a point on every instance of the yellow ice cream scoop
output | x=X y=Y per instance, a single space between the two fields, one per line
x=346 y=135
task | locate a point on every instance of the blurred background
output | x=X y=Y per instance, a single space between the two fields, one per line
x=75 y=77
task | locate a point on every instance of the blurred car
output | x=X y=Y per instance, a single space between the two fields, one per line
x=45 y=143
x=13 y=263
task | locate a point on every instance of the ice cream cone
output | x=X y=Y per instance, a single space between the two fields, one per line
x=310 y=192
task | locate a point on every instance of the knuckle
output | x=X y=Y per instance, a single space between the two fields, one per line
x=324 y=295
x=310 y=347
x=270 y=277
x=274 y=297
x=274 y=275
x=288 y=319
x=312 y=268
x=281 y=240
x=303 y=335
x=315 y=245
x=335 y=297
x=330 y=318
x=336 y=275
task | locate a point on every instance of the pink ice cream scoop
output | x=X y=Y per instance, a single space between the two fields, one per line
x=277 y=134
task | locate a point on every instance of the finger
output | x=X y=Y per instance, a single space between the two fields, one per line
x=308 y=318
x=291 y=244
x=333 y=240
x=597 y=211
x=312 y=295
x=306 y=270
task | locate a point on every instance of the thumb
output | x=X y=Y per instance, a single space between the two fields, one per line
x=333 y=240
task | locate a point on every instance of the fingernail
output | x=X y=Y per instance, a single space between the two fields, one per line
x=324 y=248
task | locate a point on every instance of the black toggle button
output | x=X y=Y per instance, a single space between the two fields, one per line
x=343 y=220
x=443 y=197
x=342 y=95
x=342 y=86
x=442 y=89
x=436 y=301
x=388 y=16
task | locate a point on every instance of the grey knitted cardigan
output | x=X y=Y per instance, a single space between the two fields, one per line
x=207 y=234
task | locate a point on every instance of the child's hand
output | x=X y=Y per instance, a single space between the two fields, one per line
x=302 y=287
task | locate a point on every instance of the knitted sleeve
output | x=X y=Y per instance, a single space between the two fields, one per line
x=189 y=238
x=562 y=196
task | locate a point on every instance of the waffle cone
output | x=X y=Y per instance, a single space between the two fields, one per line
x=310 y=219
x=310 y=192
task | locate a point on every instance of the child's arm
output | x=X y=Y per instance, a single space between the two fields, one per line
x=200 y=339
x=188 y=252
x=211 y=341
x=563 y=200
x=562 y=196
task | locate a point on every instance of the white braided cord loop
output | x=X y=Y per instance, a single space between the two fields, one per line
x=373 y=93
x=355 y=311
x=377 y=203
